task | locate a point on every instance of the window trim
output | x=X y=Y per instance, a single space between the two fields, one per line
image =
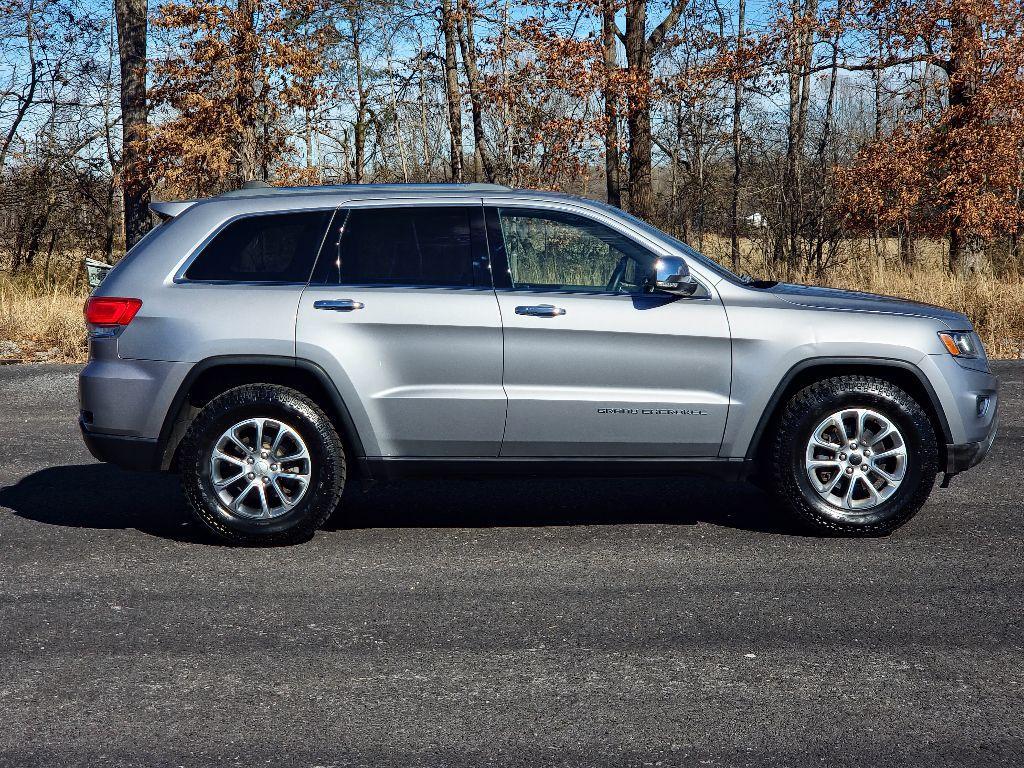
x=501 y=270
x=477 y=236
x=179 y=274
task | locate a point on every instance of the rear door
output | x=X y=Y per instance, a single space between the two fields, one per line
x=594 y=365
x=401 y=313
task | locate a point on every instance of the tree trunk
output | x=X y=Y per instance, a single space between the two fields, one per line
x=907 y=245
x=966 y=250
x=307 y=138
x=613 y=186
x=362 y=97
x=737 y=164
x=25 y=101
x=131 y=43
x=824 y=182
x=467 y=44
x=506 y=114
x=640 y=51
x=806 y=56
x=428 y=152
x=1015 y=236
x=397 y=124
x=247 y=163
x=451 y=89
x=787 y=202
x=641 y=191
x=799 y=52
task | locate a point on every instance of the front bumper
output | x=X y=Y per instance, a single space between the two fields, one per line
x=126 y=452
x=966 y=455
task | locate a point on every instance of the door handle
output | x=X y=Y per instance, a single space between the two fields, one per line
x=338 y=305
x=540 y=310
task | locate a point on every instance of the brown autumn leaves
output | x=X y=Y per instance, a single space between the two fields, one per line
x=558 y=92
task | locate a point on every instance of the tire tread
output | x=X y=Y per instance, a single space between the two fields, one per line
x=826 y=393
x=276 y=396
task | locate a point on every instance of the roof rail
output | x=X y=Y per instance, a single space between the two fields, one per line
x=254 y=190
x=168 y=209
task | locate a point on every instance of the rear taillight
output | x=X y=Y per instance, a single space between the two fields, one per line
x=110 y=311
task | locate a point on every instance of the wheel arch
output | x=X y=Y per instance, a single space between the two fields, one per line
x=215 y=375
x=903 y=374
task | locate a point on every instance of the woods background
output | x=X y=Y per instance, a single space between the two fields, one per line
x=871 y=144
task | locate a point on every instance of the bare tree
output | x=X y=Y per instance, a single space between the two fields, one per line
x=467 y=43
x=453 y=92
x=131 y=40
x=641 y=48
x=610 y=60
x=737 y=137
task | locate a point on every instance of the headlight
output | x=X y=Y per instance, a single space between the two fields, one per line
x=962 y=344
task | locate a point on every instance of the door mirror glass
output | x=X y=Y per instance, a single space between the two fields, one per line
x=671 y=275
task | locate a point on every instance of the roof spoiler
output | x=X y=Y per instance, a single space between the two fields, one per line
x=171 y=208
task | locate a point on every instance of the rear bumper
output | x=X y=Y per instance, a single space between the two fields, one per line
x=128 y=397
x=126 y=452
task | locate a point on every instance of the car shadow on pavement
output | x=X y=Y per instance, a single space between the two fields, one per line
x=105 y=497
x=554 y=502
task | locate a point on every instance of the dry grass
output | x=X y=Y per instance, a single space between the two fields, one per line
x=40 y=322
x=42 y=319
x=995 y=304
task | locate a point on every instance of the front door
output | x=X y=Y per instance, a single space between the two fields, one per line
x=401 y=314
x=595 y=366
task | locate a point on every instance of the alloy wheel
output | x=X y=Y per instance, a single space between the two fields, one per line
x=260 y=468
x=856 y=459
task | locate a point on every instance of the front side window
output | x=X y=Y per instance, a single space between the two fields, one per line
x=410 y=246
x=555 y=250
x=275 y=248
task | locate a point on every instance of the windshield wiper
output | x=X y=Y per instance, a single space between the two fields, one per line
x=756 y=283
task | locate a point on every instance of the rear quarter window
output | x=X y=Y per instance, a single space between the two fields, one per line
x=271 y=248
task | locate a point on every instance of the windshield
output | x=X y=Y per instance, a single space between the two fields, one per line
x=676 y=243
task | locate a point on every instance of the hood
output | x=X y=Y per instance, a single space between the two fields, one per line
x=856 y=301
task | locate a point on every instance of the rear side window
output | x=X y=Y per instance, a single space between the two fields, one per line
x=421 y=246
x=277 y=248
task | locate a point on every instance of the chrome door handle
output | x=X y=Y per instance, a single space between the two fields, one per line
x=338 y=305
x=540 y=310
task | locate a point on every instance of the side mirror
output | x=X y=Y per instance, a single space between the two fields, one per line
x=671 y=275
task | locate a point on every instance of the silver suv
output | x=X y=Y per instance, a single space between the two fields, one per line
x=270 y=344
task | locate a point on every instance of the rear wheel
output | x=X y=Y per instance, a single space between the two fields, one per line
x=262 y=464
x=854 y=455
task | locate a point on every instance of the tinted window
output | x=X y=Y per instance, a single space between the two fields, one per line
x=562 y=251
x=403 y=246
x=275 y=248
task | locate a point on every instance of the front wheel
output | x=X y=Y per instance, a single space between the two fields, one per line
x=854 y=455
x=262 y=464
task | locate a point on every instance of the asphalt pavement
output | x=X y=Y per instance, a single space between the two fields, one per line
x=577 y=623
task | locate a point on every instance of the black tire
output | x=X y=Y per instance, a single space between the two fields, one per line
x=815 y=403
x=326 y=465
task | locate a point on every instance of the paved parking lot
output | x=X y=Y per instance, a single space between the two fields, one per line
x=588 y=622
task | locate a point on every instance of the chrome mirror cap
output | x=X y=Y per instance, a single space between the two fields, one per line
x=671 y=275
